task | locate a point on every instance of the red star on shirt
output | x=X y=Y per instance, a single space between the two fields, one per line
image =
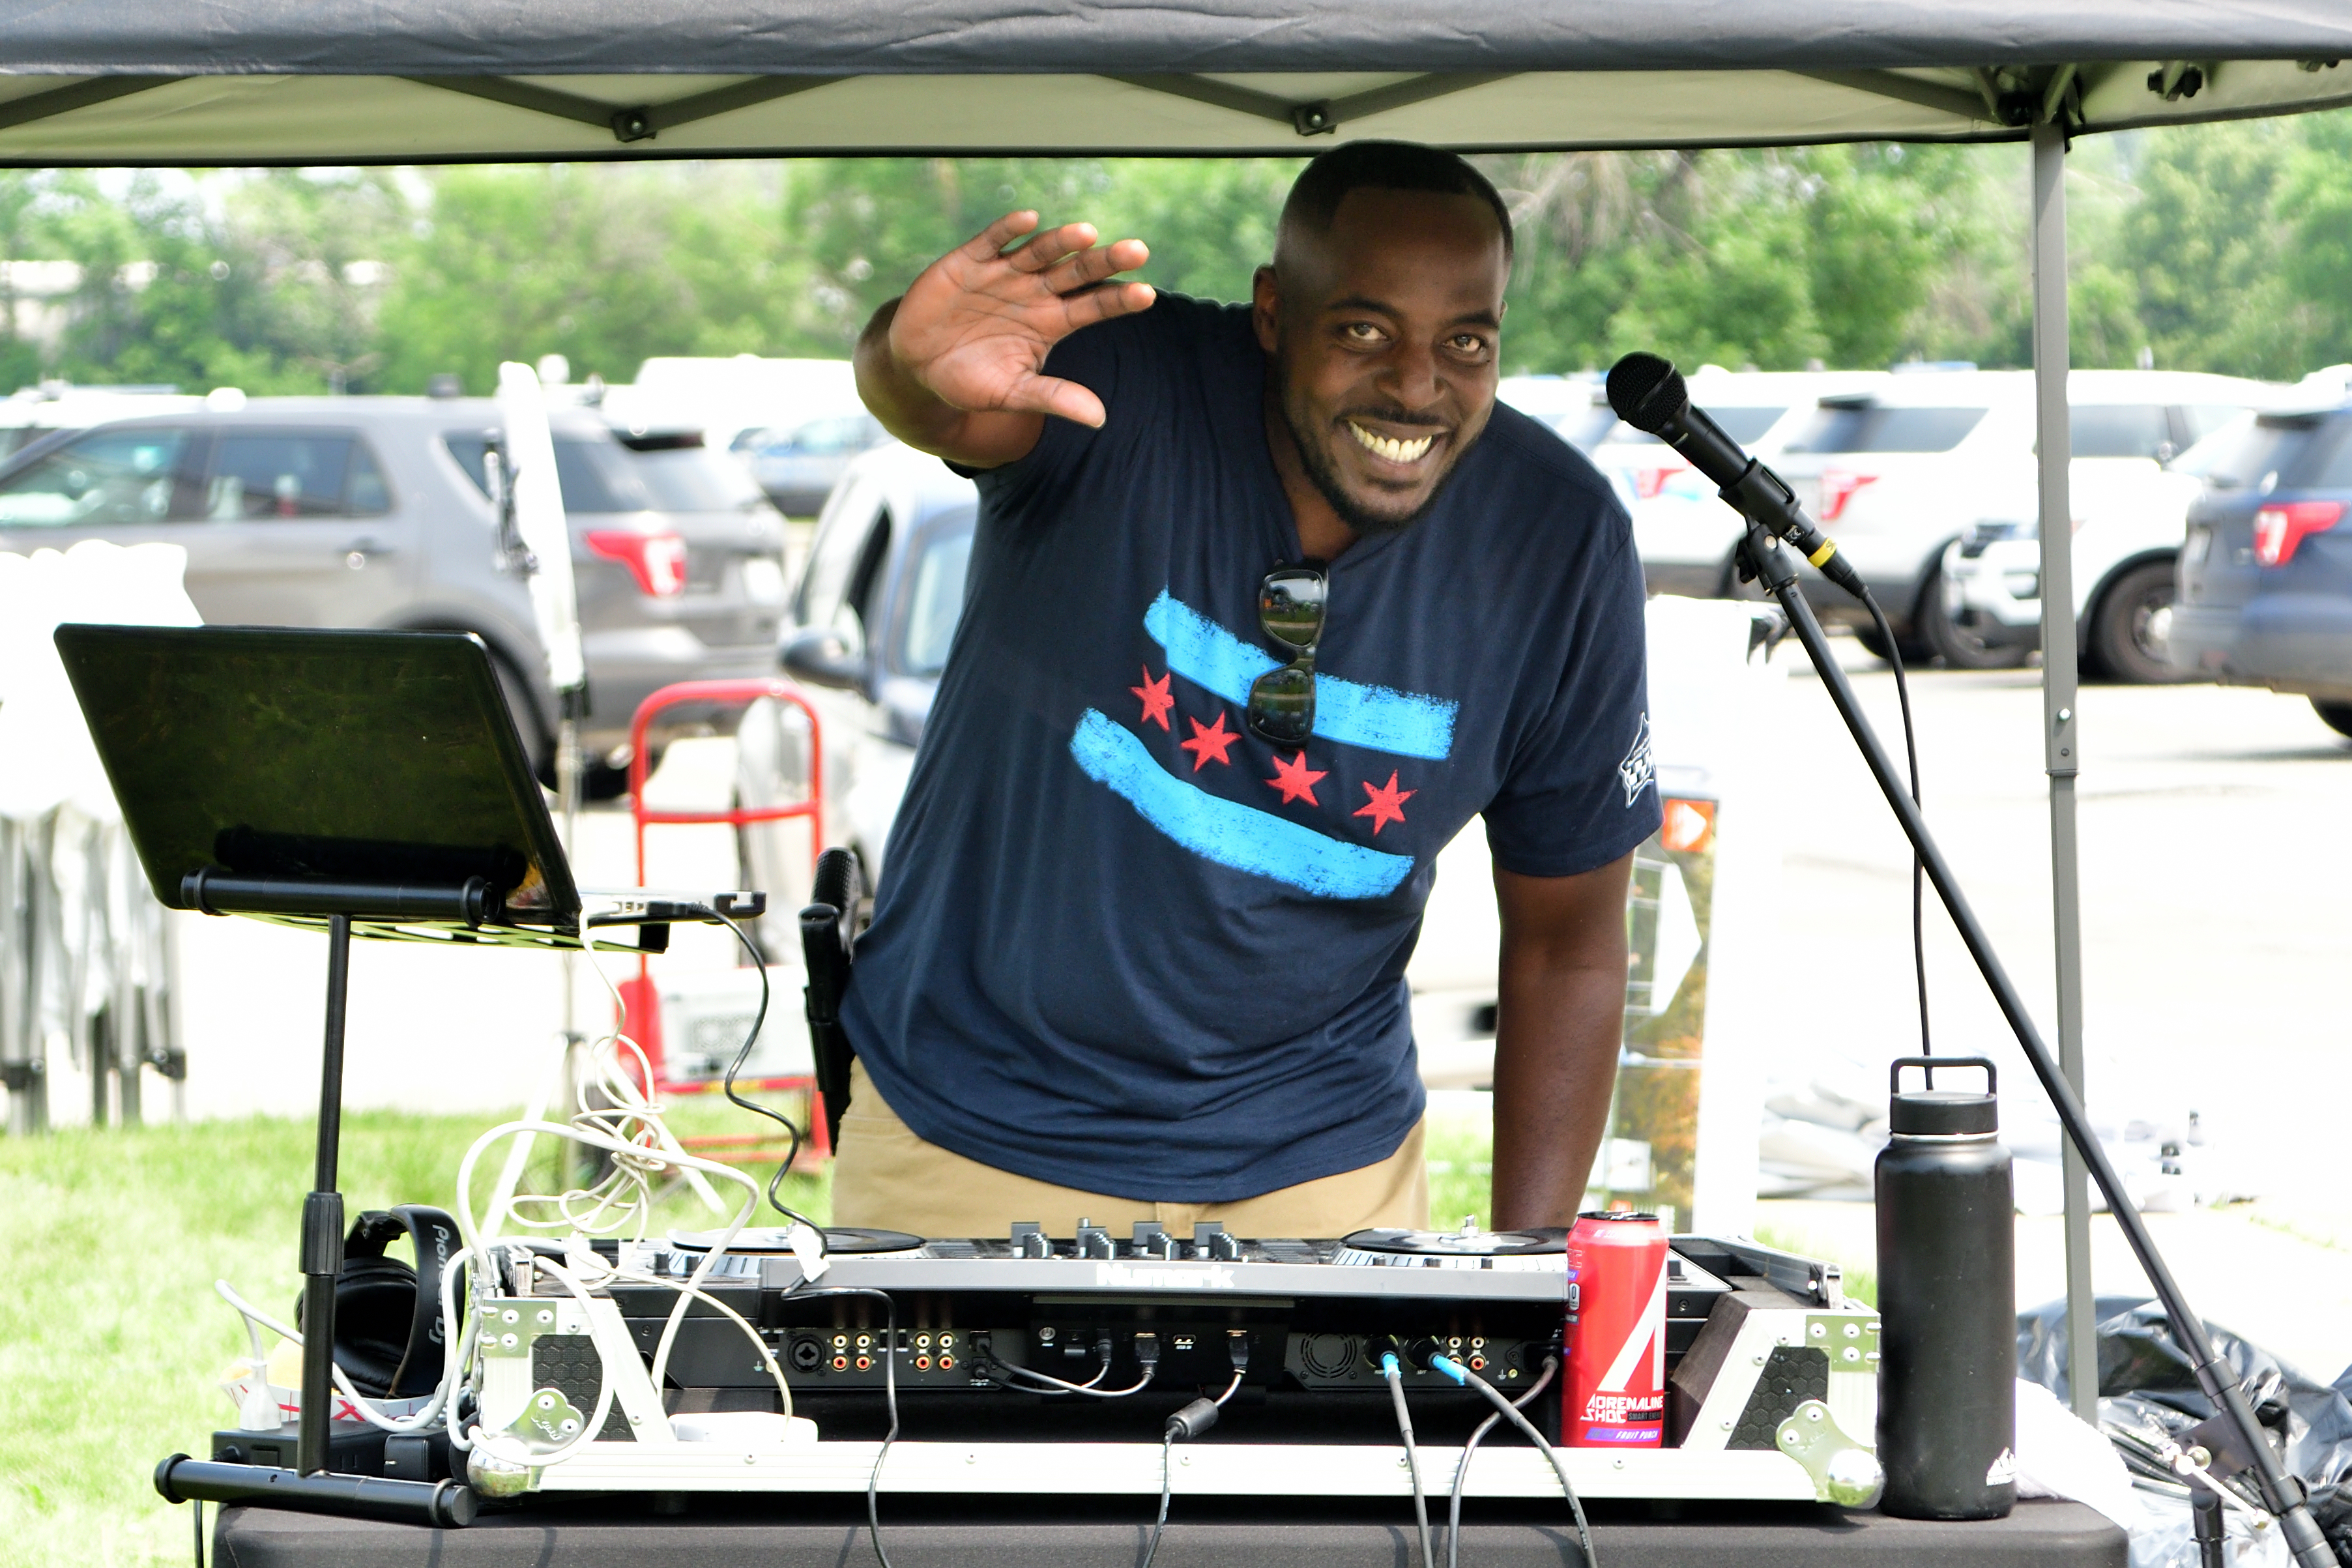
x=1387 y=804
x=1210 y=740
x=1156 y=699
x=1294 y=780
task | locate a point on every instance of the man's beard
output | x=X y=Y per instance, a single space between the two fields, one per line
x=1320 y=468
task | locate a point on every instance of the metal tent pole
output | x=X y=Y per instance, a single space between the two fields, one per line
x=2061 y=753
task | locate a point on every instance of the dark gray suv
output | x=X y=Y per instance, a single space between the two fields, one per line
x=2265 y=595
x=370 y=511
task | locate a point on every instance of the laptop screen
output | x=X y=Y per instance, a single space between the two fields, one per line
x=348 y=756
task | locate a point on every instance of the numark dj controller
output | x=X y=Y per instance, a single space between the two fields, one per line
x=999 y=1363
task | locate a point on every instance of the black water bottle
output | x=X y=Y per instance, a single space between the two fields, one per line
x=1947 y=1301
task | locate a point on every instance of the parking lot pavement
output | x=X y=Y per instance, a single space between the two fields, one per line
x=430 y=1028
x=2215 y=873
x=2217 y=915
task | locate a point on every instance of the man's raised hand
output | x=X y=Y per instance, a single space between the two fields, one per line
x=970 y=337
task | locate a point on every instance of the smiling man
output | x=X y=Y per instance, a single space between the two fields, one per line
x=1264 y=605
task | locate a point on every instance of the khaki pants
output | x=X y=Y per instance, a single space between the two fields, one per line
x=886 y=1177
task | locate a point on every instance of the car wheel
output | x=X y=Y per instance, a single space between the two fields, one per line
x=602 y=781
x=2133 y=624
x=2337 y=716
x=1960 y=646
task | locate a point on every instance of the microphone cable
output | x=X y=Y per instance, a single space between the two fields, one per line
x=1918 y=868
x=1651 y=396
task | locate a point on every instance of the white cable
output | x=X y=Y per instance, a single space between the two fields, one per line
x=359 y=1402
x=628 y=1127
x=633 y=1163
x=1086 y=1388
x=257 y=1411
x=767 y=1357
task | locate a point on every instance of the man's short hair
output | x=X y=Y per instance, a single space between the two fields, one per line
x=1315 y=198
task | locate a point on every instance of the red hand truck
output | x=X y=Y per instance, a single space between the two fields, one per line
x=641 y=1015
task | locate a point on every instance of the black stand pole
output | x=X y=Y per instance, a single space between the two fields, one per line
x=2280 y=1493
x=2212 y=1534
x=323 y=1220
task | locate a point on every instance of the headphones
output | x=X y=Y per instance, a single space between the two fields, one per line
x=388 y=1315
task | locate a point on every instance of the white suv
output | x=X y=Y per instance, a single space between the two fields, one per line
x=1898 y=473
x=2130 y=497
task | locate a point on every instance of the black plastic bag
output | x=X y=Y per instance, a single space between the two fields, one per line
x=2146 y=1381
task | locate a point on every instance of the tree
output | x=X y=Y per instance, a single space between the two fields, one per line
x=2201 y=241
x=871 y=225
x=2316 y=200
x=605 y=266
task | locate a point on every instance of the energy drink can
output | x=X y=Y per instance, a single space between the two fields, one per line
x=1614 y=1396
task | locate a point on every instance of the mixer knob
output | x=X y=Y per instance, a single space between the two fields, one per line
x=1149 y=1234
x=1029 y=1240
x=1093 y=1241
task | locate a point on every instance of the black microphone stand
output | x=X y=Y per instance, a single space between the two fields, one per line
x=2236 y=1437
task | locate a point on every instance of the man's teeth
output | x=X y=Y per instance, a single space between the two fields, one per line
x=1389 y=447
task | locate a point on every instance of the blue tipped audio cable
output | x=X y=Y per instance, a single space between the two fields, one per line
x=1395 y=1374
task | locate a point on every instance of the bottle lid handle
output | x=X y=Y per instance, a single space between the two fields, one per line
x=1929 y=1064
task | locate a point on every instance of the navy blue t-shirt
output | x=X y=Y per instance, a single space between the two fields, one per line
x=1121 y=943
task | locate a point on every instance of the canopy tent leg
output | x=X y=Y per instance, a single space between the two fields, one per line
x=2060 y=750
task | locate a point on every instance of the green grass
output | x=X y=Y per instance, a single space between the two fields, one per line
x=1461 y=1173
x=112 y=1341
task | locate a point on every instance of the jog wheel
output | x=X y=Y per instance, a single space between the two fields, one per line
x=1526 y=1251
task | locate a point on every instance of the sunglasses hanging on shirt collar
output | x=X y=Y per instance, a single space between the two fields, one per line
x=1290 y=612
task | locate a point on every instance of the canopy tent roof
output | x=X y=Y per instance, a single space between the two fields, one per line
x=329 y=81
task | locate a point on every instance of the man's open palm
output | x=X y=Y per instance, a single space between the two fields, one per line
x=975 y=328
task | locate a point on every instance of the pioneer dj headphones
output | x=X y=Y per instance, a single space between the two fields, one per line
x=388 y=1315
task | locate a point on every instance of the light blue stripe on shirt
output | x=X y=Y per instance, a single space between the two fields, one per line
x=1226 y=831
x=1404 y=723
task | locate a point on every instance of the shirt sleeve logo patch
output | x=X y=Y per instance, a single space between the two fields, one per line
x=1640 y=768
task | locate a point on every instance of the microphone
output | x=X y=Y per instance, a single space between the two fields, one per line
x=1649 y=394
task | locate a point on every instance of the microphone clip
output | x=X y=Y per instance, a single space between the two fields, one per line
x=1761 y=557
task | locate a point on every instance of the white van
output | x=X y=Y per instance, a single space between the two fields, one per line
x=1898 y=473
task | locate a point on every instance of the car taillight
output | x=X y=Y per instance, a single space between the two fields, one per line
x=2279 y=529
x=1649 y=482
x=658 y=560
x=1838 y=485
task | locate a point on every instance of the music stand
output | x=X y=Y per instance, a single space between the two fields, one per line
x=368 y=783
